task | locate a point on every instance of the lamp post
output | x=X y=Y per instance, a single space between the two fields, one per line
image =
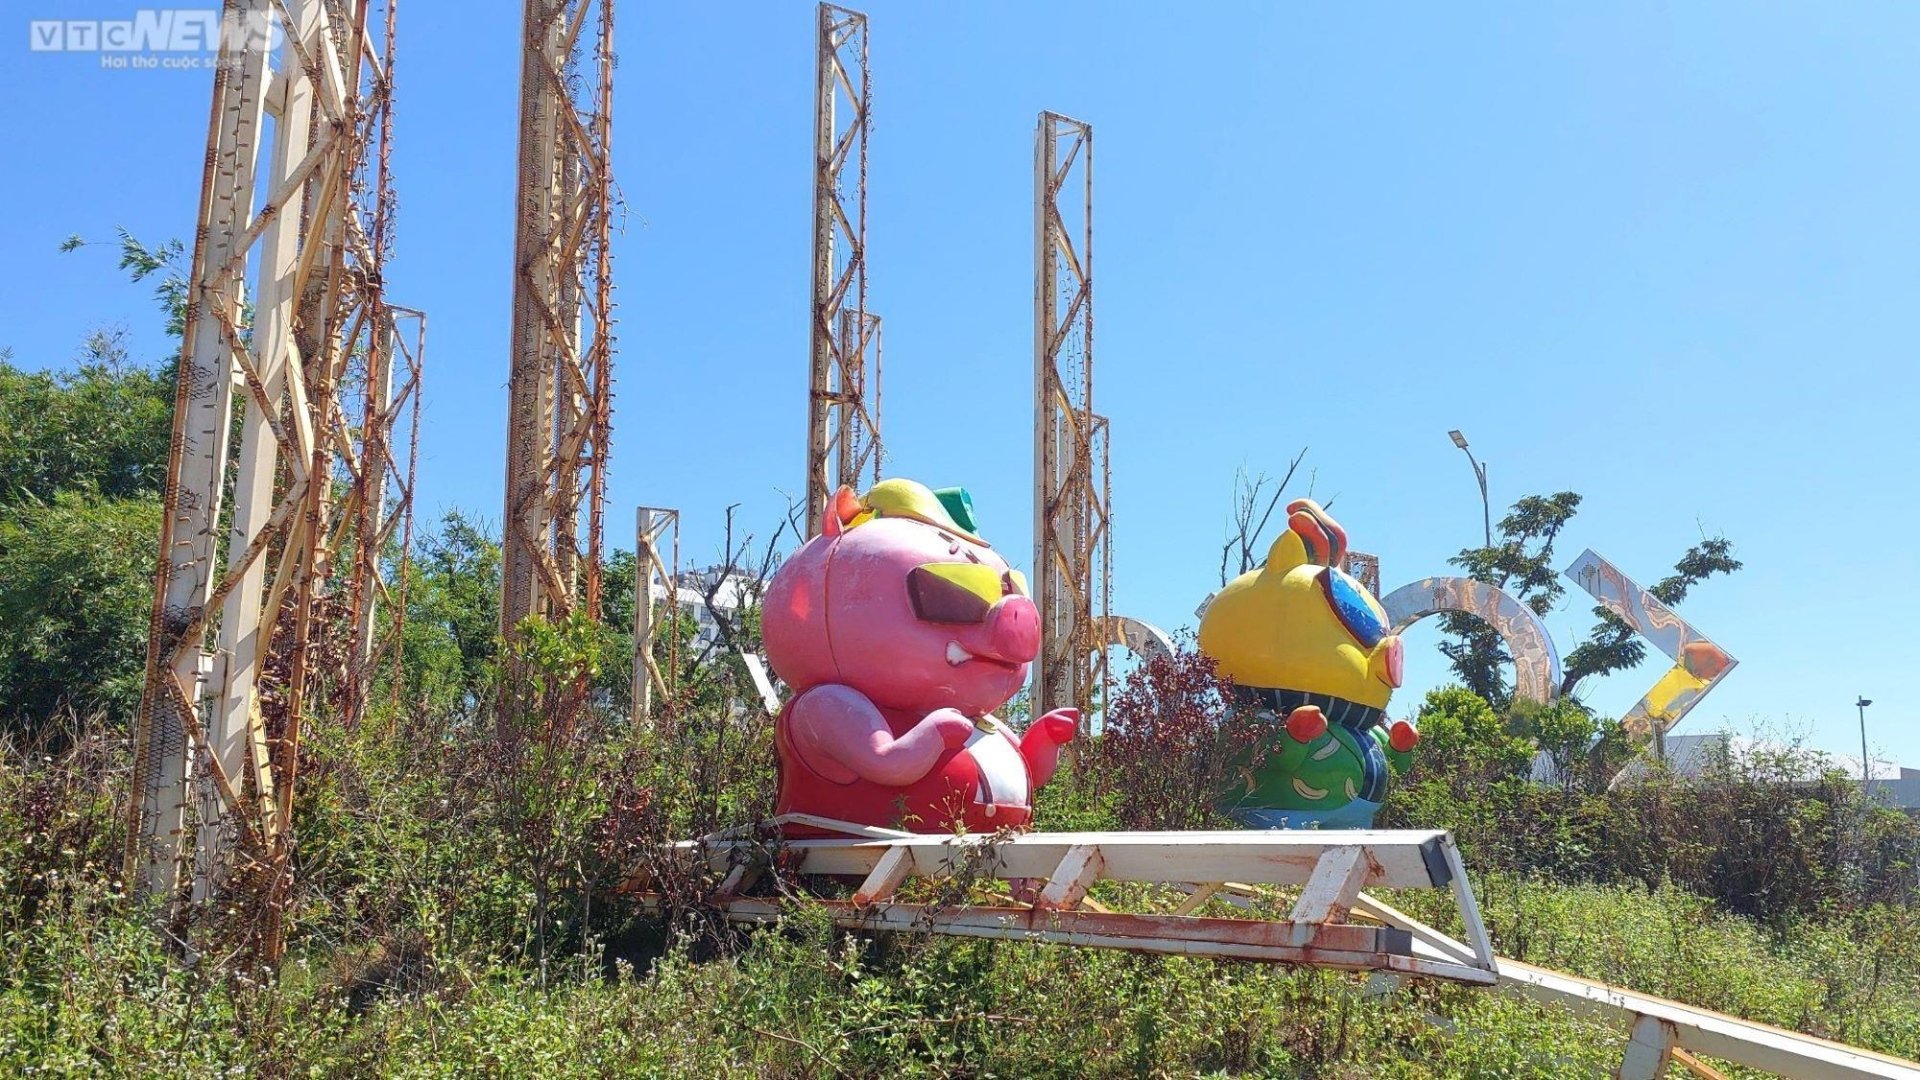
x=1866 y=769
x=1480 y=474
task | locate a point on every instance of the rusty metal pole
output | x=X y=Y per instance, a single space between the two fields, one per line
x=526 y=531
x=879 y=370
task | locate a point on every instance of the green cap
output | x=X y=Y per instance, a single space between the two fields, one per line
x=959 y=506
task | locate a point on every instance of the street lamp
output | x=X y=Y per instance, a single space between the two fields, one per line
x=1866 y=770
x=1480 y=474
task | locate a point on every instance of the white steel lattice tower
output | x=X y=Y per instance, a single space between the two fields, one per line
x=277 y=505
x=656 y=557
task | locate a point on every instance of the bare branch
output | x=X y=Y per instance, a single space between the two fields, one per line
x=1250 y=518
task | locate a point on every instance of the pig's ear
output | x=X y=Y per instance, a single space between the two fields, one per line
x=842 y=507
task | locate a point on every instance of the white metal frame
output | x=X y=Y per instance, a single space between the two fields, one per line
x=1331 y=867
x=285 y=296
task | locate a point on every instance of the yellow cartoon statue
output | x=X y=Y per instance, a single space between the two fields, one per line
x=1306 y=642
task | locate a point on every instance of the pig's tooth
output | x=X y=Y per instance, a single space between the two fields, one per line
x=956 y=654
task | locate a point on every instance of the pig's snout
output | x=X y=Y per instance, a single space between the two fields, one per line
x=1013 y=630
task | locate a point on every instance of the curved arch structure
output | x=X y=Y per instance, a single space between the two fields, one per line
x=1535 y=660
x=1698 y=664
x=1141 y=638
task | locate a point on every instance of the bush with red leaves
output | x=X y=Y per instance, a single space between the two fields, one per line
x=1170 y=744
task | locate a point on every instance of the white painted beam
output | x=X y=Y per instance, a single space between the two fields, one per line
x=1329 y=894
x=1079 y=868
x=1394 y=859
x=1695 y=1030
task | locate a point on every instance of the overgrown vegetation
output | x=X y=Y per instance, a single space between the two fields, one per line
x=425 y=946
x=83 y=456
x=1773 y=833
x=462 y=853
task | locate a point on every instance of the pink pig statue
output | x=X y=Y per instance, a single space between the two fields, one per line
x=899 y=632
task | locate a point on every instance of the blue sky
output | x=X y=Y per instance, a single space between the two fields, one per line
x=1663 y=255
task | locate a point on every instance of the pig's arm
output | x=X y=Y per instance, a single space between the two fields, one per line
x=1040 y=746
x=1397 y=742
x=843 y=737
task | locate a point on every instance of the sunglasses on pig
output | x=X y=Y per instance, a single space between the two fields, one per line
x=960 y=592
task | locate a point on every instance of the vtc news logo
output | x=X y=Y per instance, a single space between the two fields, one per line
x=140 y=42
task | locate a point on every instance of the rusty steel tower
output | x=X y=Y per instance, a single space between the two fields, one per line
x=843 y=391
x=284 y=489
x=559 y=398
x=1070 y=565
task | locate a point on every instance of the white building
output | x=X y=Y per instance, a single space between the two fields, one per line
x=690 y=592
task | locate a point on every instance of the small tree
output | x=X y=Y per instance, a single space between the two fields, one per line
x=1585 y=749
x=1521 y=564
x=452 y=635
x=1255 y=498
x=142 y=261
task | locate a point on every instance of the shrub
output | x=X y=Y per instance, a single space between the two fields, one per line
x=76 y=593
x=1463 y=740
x=1764 y=835
x=1170 y=745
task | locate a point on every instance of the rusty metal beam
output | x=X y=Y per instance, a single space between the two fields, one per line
x=1365 y=569
x=1343 y=947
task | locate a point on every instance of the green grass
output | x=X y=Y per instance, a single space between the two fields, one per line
x=84 y=990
